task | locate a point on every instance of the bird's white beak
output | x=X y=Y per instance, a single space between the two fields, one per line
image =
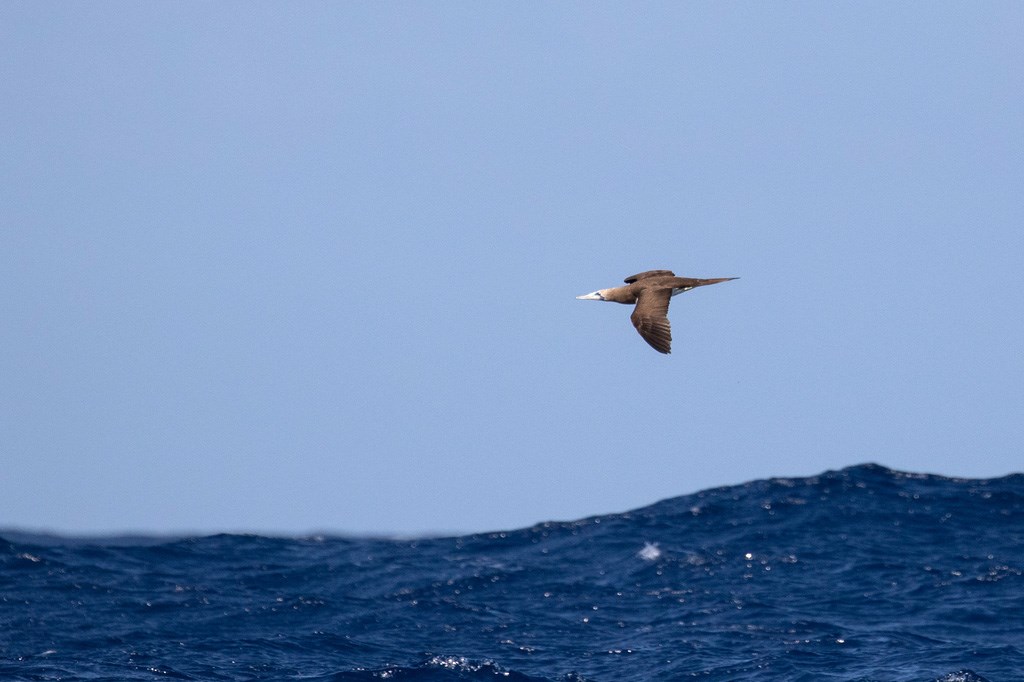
x=596 y=296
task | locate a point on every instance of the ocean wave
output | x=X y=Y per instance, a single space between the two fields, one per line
x=852 y=575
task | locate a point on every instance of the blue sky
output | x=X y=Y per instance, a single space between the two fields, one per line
x=295 y=267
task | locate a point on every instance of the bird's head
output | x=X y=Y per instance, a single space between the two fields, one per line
x=596 y=296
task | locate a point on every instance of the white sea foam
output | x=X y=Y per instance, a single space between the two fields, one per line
x=650 y=551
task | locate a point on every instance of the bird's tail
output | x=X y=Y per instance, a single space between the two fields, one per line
x=704 y=282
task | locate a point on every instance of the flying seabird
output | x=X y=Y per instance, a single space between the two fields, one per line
x=652 y=291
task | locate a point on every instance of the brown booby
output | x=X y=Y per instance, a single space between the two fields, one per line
x=652 y=291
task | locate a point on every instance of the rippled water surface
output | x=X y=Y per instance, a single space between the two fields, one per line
x=859 y=574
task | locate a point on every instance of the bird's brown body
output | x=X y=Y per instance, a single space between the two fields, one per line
x=652 y=291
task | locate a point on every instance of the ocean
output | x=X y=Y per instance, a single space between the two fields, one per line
x=862 y=574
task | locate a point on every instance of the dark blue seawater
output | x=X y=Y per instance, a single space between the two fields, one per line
x=859 y=574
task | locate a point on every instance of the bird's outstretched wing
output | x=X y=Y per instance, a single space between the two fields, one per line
x=650 y=317
x=649 y=273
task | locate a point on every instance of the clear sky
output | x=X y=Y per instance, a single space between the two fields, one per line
x=296 y=267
